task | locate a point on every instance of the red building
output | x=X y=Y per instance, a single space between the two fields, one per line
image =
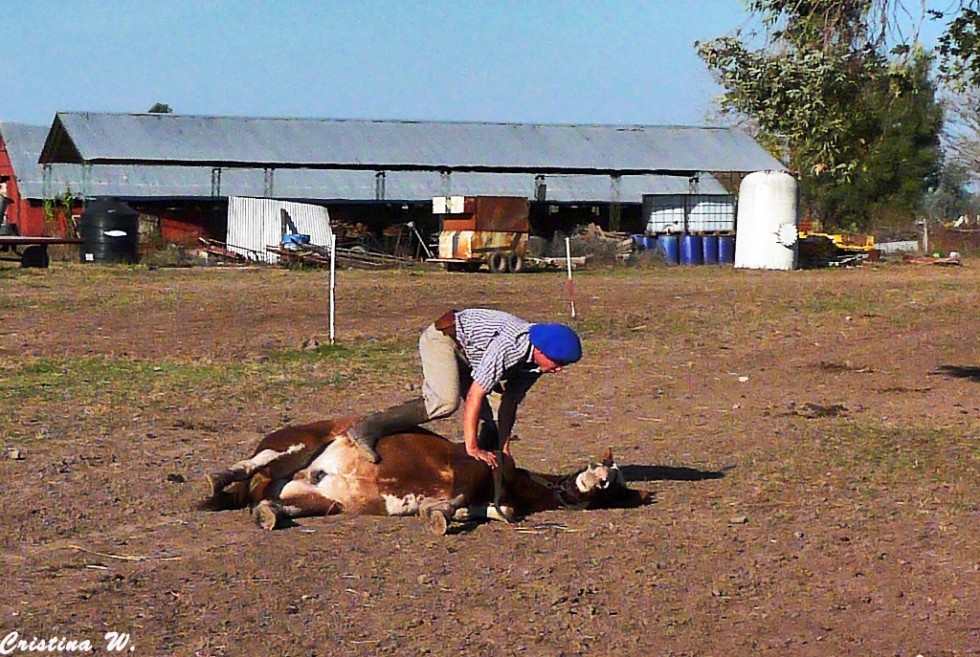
x=28 y=217
x=48 y=201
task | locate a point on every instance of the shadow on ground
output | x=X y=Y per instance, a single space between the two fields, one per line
x=667 y=473
x=959 y=372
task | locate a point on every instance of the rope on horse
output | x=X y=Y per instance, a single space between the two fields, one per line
x=498 y=485
x=559 y=489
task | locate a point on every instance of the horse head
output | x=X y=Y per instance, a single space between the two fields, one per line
x=599 y=486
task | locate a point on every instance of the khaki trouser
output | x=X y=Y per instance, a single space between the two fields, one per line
x=446 y=380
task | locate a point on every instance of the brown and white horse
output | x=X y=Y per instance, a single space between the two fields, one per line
x=315 y=470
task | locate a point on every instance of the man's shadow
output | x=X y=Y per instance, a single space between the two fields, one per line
x=669 y=473
x=959 y=372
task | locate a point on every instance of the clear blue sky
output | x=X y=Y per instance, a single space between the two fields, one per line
x=579 y=61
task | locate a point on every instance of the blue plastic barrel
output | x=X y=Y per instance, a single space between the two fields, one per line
x=638 y=241
x=669 y=247
x=649 y=242
x=709 y=249
x=691 y=250
x=726 y=249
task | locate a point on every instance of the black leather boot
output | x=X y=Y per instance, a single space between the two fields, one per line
x=367 y=430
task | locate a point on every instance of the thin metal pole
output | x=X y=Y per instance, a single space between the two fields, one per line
x=571 y=286
x=333 y=283
x=428 y=253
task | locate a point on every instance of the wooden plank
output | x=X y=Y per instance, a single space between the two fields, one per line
x=25 y=240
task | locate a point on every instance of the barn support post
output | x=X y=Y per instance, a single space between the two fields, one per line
x=445 y=183
x=693 y=187
x=46 y=181
x=540 y=189
x=215 y=182
x=86 y=190
x=380 y=178
x=615 y=208
x=268 y=182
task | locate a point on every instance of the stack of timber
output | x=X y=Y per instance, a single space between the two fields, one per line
x=602 y=244
x=951 y=261
x=221 y=251
x=357 y=257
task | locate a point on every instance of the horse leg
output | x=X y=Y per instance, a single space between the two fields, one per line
x=278 y=461
x=486 y=512
x=297 y=499
x=436 y=513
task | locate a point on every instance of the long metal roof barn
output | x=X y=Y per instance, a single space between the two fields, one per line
x=285 y=143
x=150 y=181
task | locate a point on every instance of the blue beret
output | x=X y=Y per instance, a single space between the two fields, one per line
x=558 y=342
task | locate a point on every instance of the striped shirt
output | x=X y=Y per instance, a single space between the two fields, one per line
x=496 y=345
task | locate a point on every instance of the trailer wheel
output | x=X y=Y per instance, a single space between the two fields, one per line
x=515 y=263
x=35 y=255
x=498 y=262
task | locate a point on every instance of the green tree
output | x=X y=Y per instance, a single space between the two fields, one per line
x=899 y=123
x=952 y=197
x=859 y=126
x=959 y=48
x=160 y=108
x=963 y=131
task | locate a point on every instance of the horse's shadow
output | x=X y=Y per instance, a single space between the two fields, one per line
x=668 y=473
x=959 y=372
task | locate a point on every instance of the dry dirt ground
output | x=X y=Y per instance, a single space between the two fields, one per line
x=812 y=441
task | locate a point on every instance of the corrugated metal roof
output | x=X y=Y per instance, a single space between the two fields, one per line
x=109 y=138
x=144 y=181
x=24 y=143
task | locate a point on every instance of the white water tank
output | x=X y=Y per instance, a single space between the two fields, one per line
x=767 y=221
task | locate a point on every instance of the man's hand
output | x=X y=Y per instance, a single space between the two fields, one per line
x=482 y=455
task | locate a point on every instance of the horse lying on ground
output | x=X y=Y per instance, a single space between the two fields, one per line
x=315 y=470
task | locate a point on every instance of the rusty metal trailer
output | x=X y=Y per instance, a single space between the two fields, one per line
x=34 y=251
x=482 y=230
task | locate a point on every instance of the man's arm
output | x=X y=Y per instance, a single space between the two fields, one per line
x=471 y=425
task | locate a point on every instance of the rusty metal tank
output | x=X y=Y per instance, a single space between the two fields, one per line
x=478 y=230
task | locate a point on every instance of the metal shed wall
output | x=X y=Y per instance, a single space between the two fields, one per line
x=256 y=223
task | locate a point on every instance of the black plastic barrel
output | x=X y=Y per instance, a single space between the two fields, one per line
x=110 y=230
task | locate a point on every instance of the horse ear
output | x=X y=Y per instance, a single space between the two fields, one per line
x=607 y=458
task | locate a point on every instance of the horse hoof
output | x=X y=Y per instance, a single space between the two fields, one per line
x=436 y=522
x=217 y=481
x=265 y=516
